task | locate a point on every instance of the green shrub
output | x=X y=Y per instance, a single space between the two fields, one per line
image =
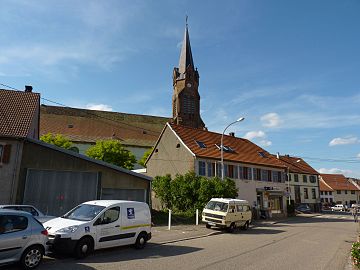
x=355 y=254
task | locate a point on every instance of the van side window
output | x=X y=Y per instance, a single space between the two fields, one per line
x=239 y=208
x=110 y=215
x=231 y=208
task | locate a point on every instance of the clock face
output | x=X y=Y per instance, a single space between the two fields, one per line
x=188 y=85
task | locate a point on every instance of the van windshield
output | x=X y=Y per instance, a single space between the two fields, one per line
x=84 y=212
x=217 y=206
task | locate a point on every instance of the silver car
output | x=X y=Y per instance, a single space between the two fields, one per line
x=30 y=209
x=22 y=239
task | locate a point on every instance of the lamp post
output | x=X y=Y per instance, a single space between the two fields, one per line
x=222 y=146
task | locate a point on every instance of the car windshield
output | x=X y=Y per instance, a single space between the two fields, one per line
x=217 y=206
x=84 y=212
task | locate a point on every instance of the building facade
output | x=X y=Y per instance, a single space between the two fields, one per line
x=259 y=177
x=303 y=182
x=345 y=192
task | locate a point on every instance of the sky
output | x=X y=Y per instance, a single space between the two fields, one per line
x=291 y=68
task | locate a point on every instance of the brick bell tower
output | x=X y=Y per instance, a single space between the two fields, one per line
x=186 y=98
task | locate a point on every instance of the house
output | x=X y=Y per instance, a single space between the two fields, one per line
x=137 y=133
x=51 y=178
x=259 y=177
x=326 y=194
x=344 y=191
x=303 y=181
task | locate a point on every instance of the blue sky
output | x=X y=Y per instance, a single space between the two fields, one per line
x=291 y=68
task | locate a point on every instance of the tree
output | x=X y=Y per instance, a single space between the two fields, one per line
x=112 y=151
x=144 y=157
x=190 y=191
x=58 y=140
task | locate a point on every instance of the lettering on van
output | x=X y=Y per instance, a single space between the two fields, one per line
x=130 y=213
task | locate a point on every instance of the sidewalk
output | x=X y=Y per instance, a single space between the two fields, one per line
x=161 y=234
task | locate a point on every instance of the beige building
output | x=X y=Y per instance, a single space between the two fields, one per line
x=259 y=177
x=344 y=191
x=303 y=182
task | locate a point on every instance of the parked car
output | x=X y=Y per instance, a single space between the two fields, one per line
x=338 y=207
x=100 y=224
x=30 y=209
x=303 y=208
x=227 y=213
x=22 y=239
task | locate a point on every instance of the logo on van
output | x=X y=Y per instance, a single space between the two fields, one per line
x=130 y=213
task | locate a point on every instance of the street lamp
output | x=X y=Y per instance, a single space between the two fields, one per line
x=222 y=146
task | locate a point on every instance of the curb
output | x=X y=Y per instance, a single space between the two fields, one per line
x=188 y=238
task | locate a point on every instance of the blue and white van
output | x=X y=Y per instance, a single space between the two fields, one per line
x=100 y=224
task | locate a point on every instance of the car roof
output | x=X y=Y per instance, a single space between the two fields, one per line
x=107 y=203
x=14 y=212
x=16 y=205
x=227 y=200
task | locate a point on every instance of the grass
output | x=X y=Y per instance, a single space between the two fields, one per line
x=161 y=218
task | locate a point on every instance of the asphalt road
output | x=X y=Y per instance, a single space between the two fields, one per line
x=300 y=243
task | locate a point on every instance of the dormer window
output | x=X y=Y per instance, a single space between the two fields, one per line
x=262 y=154
x=226 y=148
x=201 y=144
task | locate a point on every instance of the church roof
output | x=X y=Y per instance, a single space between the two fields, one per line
x=89 y=126
x=186 y=58
x=18 y=110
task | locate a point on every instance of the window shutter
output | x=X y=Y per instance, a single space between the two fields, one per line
x=6 y=154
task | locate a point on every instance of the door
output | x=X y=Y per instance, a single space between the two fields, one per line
x=15 y=233
x=108 y=228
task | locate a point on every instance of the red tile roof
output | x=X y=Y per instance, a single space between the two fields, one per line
x=338 y=182
x=89 y=126
x=17 y=112
x=324 y=186
x=244 y=150
x=297 y=167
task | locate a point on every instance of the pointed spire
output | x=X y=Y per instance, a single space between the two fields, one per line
x=186 y=58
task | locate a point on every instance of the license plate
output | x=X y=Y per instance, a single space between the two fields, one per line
x=211 y=223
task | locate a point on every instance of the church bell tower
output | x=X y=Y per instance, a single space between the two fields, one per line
x=186 y=98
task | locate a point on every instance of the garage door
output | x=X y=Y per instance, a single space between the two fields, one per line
x=56 y=192
x=123 y=194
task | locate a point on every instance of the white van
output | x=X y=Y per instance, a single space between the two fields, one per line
x=100 y=224
x=227 y=213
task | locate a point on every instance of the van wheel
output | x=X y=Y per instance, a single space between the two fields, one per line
x=141 y=241
x=232 y=228
x=208 y=226
x=32 y=257
x=246 y=226
x=83 y=248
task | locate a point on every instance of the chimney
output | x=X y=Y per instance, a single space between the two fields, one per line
x=277 y=155
x=232 y=134
x=28 y=88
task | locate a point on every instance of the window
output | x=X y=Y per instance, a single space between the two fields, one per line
x=269 y=176
x=264 y=175
x=280 y=177
x=326 y=193
x=202 y=168
x=296 y=177
x=331 y=200
x=327 y=200
x=239 y=208
x=12 y=223
x=257 y=174
x=305 y=178
x=230 y=171
x=321 y=193
x=306 y=194
x=262 y=154
x=211 y=169
x=345 y=191
x=322 y=199
x=5 y=151
x=312 y=179
x=313 y=193
x=246 y=173
x=236 y=172
x=338 y=192
x=289 y=176
x=275 y=176
x=201 y=144
x=353 y=192
x=111 y=215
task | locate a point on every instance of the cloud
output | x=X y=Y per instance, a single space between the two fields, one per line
x=358 y=156
x=99 y=107
x=335 y=171
x=261 y=135
x=344 y=141
x=271 y=120
x=255 y=134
